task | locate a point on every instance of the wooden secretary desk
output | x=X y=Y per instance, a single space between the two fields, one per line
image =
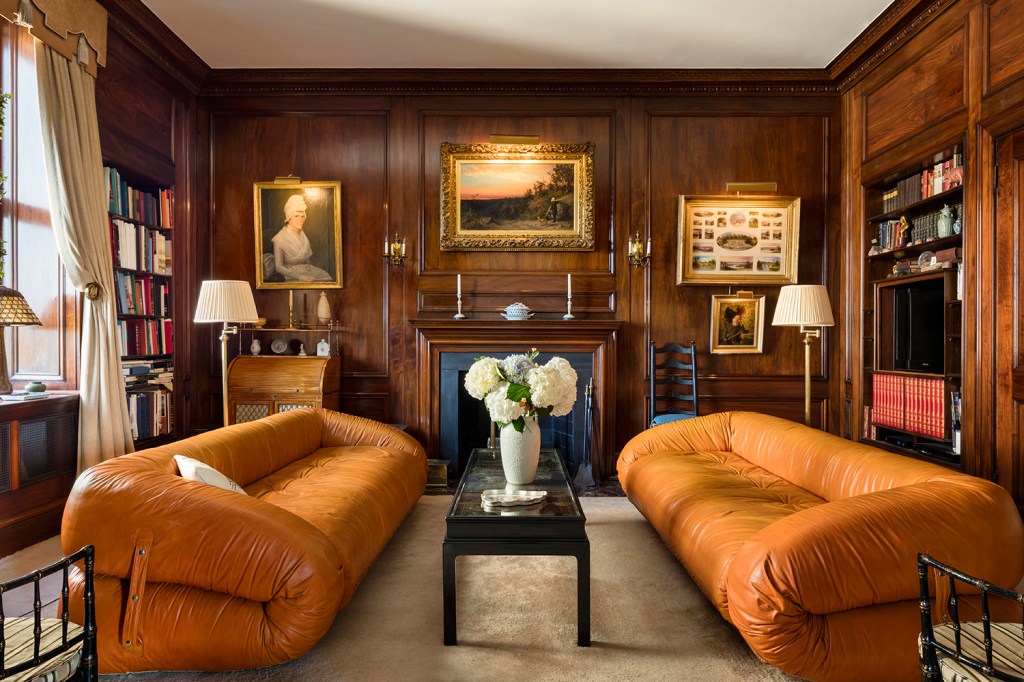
x=261 y=385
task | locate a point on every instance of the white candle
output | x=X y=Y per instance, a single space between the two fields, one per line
x=387 y=246
x=458 y=285
x=648 y=246
x=568 y=284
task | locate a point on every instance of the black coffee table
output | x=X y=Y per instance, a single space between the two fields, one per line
x=552 y=527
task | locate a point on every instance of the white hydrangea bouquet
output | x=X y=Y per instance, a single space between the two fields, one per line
x=517 y=387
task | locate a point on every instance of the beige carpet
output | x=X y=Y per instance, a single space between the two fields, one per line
x=517 y=615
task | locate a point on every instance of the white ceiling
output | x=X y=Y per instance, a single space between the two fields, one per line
x=648 y=34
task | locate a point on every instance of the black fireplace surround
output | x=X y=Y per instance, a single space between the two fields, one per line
x=465 y=423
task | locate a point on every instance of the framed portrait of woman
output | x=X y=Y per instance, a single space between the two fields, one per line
x=737 y=324
x=298 y=235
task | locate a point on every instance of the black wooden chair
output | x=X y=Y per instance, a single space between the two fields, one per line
x=33 y=647
x=968 y=650
x=673 y=382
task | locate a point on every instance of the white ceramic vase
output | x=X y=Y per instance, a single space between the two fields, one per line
x=520 y=452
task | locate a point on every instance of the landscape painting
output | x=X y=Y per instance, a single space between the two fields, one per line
x=517 y=197
x=738 y=239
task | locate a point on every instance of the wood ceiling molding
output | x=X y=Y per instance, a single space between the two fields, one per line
x=906 y=18
x=145 y=32
x=236 y=82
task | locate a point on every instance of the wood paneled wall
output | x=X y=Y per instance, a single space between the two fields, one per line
x=648 y=151
x=956 y=77
x=927 y=72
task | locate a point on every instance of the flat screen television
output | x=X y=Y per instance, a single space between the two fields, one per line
x=918 y=341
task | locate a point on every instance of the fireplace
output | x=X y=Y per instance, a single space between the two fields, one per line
x=589 y=345
x=465 y=424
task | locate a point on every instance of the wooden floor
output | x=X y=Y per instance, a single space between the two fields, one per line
x=19 y=602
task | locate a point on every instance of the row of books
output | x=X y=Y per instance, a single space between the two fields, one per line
x=151 y=412
x=142 y=295
x=141 y=373
x=146 y=337
x=908 y=403
x=942 y=177
x=137 y=247
x=922 y=229
x=154 y=208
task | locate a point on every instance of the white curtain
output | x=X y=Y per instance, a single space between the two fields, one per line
x=74 y=165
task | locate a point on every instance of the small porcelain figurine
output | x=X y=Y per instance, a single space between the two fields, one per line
x=254 y=347
x=945 y=221
x=323 y=349
x=302 y=349
x=874 y=250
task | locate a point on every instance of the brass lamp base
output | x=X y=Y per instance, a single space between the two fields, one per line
x=5 y=378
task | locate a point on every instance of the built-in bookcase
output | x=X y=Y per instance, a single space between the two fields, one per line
x=912 y=309
x=141 y=219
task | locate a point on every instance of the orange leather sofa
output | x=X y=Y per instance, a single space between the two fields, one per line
x=189 y=576
x=807 y=543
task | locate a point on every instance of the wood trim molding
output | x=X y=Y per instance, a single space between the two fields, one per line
x=903 y=20
x=791 y=82
x=145 y=32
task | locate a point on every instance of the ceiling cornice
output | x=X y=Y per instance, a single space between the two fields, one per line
x=144 y=31
x=789 y=82
x=900 y=22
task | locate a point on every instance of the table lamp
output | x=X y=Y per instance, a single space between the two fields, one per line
x=14 y=312
x=804 y=305
x=225 y=301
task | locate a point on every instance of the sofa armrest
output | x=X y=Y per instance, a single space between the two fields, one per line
x=710 y=433
x=345 y=429
x=202 y=536
x=861 y=551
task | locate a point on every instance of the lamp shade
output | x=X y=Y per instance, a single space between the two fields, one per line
x=222 y=300
x=14 y=310
x=803 y=305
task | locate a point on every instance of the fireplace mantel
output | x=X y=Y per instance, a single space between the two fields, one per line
x=598 y=337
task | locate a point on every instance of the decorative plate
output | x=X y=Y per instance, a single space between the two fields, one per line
x=517 y=317
x=511 y=498
x=279 y=346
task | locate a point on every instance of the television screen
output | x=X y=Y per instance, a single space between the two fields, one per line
x=918 y=343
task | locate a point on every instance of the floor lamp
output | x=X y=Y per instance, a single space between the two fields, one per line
x=804 y=305
x=225 y=301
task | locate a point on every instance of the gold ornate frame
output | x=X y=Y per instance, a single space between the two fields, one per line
x=738 y=240
x=550 y=216
x=751 y=309
x=322 y=228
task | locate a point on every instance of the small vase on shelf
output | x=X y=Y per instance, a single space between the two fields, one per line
x=520 y=452
x=254 y=347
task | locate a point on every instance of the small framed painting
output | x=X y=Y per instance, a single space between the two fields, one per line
x=737 y=324
x=298 y=235
x=511 y=197
x=738 y=240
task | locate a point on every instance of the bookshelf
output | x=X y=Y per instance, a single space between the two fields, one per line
x=912 y=324
x=140 y=217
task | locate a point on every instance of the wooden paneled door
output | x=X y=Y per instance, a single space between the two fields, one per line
x=1007 y=295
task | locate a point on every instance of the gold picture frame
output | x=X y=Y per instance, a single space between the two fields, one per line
x=738 y=239
x=296 y=251
x=737 y=324
x=517 y=197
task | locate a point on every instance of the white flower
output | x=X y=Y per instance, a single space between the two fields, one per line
x=482 y=378
x=501 y=409
x=554 y=386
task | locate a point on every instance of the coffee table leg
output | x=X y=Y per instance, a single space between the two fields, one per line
x=448 y=570
x=583 y=596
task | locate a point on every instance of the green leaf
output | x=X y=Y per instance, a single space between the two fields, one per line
x=518 y=392
x=519 y=424
x=543 y=411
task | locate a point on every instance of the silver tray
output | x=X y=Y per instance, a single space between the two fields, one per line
x=512 y=498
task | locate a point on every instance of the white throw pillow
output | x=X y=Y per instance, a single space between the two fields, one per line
x=194 y=470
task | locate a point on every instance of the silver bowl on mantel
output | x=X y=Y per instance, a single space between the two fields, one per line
x=517 y=311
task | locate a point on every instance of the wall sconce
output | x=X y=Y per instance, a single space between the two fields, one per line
x=394 y=251
x=637 y=256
